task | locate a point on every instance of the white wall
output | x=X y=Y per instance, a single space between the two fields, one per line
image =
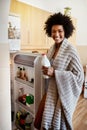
x=5 y=99
x=82 y=50
x=79 y=9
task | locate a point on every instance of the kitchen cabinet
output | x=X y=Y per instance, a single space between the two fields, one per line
x=24 y=11
x=33 y=37
x=30 y=86
x=38 y=36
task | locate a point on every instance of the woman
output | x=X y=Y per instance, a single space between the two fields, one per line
x=66 y=75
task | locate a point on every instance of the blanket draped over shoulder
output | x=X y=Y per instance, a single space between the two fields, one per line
x=63 y=90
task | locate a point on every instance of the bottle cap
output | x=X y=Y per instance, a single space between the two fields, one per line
x=43 y=54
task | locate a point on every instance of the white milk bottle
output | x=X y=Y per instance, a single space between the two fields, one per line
x=45 y=62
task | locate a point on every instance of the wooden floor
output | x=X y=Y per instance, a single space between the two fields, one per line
x=80 y=114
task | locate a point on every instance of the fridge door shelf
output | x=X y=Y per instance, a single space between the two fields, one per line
x=29 y=108
x=18 y=126
x=25 y=82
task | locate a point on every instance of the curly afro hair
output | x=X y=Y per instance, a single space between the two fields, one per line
x=59 y=19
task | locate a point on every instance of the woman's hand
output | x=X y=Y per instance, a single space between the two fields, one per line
x=48 y=71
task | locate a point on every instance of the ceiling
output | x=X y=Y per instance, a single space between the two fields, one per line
x=55 y=5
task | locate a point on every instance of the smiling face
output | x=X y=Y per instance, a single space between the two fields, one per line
x=57 y=33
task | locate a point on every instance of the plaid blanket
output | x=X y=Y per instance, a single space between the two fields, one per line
x=63 y=90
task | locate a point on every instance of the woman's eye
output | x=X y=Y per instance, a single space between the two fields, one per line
x=60 y=31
